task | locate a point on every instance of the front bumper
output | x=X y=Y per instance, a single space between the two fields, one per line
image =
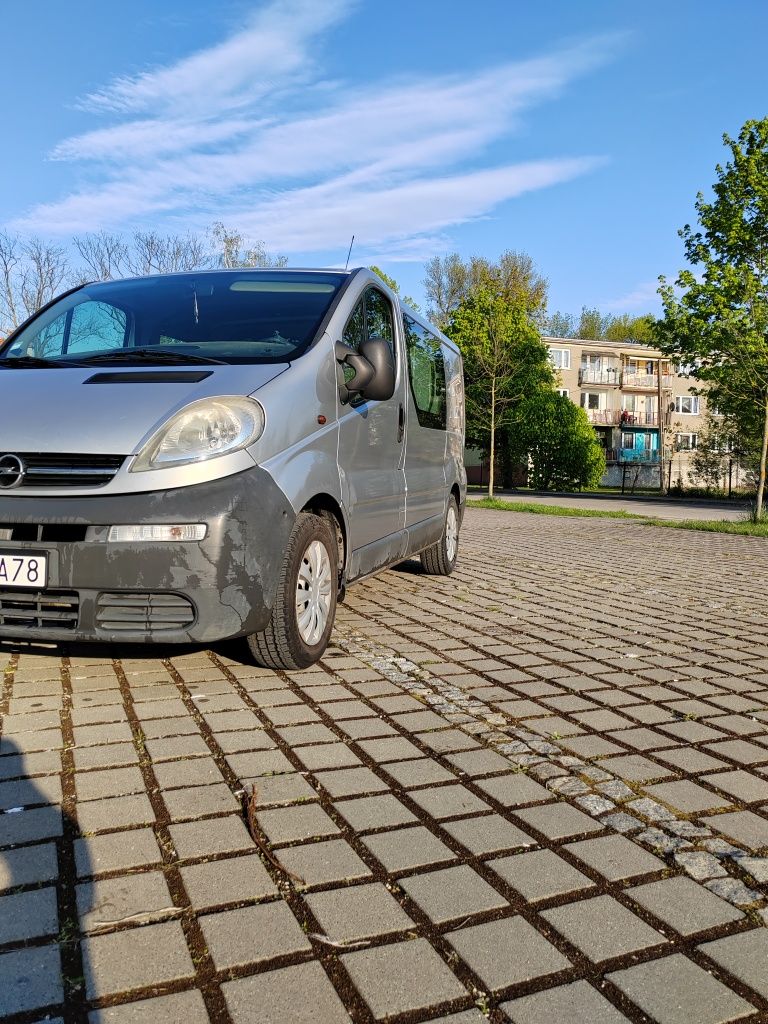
x=223 y=586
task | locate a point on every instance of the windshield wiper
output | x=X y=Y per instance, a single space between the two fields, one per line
x=149 y=355
x=20 y=362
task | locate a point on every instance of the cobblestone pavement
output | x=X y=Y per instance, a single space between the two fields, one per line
x=536 y=791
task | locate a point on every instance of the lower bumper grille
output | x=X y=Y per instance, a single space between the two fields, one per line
x=150 y=613
x=48 y=609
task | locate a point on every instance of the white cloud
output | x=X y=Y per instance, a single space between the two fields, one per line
x=644 y=296
x=249 y=132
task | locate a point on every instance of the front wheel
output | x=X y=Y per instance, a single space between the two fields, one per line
x=440 y=559
x=305 y=606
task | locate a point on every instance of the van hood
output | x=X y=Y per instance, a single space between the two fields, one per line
x=65 y=410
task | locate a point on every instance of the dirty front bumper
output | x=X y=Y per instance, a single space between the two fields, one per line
x=220 y=587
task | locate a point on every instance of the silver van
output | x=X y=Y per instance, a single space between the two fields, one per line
x=194 y=457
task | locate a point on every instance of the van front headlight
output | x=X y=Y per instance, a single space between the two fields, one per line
x=203 y=430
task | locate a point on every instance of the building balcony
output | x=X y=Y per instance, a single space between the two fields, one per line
x=605 y=417
x=639 y=455
x=609 y=377
x=645 y=381
x=628 y=418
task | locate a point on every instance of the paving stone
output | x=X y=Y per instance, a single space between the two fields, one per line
x=684 y=905
x=601 y=928
x=30 y=826
x=251 y=935
x=507 y=952
x=757 y=867
x=740 y=750
x=448 y=741
x=29 y=979
x=406 y=848
x=745 y=956
x=615 y=857
x=358 y=912
x=699 y=865
x=406 y=976
x=125 y=899
x=321 y=863
x=390 y=749
x=635 y=768
x=743 y=826
x=687 y=797
x=513 y=790
x=558 y=820
x=308 y=821
x=673 y=990
x=28 y=915
x=116 y=851
x=419 y=772
x=135 y=958
x=489 y=834
x=744 y=786
x=206 y=838
x=451 y=893
x=27 y=865
x=733 y=890
x=329 y=755
x=256 y=763
x=448 y=801
x=198 y=771
x=540 y=875
x=179 y=1006
x=370 y=812
x=301 y=995
x=231 y=880
x=350 y=781
x=479 y=762
x=577 y=1003
x=28 y=793
x=117 y=812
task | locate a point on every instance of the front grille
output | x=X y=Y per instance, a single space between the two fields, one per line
x=44 y=469
x=149 y=613
x=49 y=609
x=51 y=533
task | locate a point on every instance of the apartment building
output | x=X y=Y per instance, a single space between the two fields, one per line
x=632 y=395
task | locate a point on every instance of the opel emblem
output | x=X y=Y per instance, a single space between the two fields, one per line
x=12 y=471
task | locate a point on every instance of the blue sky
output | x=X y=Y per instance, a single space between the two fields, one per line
x=578 y=132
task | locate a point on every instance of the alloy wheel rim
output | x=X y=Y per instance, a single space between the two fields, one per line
x=451 y=534
x=313 y=593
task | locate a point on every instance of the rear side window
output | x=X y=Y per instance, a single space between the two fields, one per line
x=426 y=372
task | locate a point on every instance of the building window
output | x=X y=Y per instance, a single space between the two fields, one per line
x=686 y=442
x=687 y=405
x=560 y=358
x=590 y=400
x=564 y=392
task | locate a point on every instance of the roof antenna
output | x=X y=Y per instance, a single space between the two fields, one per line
x=346 y=265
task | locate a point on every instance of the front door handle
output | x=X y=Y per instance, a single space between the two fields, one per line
x=400 y=422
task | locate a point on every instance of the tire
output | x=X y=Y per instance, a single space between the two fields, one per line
x=298 y=633
x=440 y=559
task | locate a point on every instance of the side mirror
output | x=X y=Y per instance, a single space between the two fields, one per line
x=378 y=354
x=374 y=368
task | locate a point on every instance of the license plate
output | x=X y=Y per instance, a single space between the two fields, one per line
x=26 y=571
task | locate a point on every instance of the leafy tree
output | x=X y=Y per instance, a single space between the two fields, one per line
x=719 y=322
x=559 y=442
x=591 y=324
x=560 y=325
x=450 y=280
x=390 y=282
x=629 y=328
x=230 y=251
x=504 y=360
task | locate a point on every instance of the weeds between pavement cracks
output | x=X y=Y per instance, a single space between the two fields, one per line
x=745 y=528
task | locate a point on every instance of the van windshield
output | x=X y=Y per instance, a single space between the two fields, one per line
x=245 y=316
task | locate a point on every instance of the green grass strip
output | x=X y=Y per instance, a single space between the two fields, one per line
x=553 y=510
x=743 y=529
